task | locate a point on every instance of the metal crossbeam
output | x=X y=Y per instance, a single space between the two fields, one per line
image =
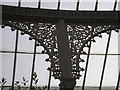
x=52 y=16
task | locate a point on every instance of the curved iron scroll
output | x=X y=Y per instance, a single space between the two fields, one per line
x=78 y=35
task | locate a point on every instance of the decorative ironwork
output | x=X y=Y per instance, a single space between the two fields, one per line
x=78 y=35
x=82 y=27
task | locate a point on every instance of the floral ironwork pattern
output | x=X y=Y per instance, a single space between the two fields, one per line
x=78 y=36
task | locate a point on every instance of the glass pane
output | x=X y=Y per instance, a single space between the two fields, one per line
x=8 y=39
x=25 y=45
x=94 y=71
x=99 y=47
x=106 y=5
x=0 y=39
x=54 y=82
x=29 y=3
x=23 y=67
x=118 y=5
x=7 y=67
x=87 y=5
x=39 y=49
x=41 y=69
x=111 y=71
x=0 y=65
x=113 y=48
x=119 y=42
x=68 y=5
x=10 y=2
x=49 y=4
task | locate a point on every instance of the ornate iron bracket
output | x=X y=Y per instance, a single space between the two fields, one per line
x=82 y=27
x=78 y=35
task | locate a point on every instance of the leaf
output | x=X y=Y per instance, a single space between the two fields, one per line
x=25 y=84
x=23 y=79
x=17 y=82
x=33 y=79
x=27 y=81
x=3 y=79
x=34 y=73
x=4 y=82
x=35 y=76
x=36 y=81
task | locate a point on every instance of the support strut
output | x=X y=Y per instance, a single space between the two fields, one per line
x=67 y=82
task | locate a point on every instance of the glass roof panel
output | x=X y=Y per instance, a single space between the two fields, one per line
x=87 y=4
x=118 y=5
x=29 y=3
x=49 y=4
x=105 y=5
x=10 y=2
x=68 y=5
x=65 y=4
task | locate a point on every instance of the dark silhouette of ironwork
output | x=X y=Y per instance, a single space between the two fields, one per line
x=63 y=34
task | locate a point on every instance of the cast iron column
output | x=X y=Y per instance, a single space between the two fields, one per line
x=66 y=80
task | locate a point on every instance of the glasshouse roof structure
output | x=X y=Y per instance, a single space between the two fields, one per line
x=70 y=44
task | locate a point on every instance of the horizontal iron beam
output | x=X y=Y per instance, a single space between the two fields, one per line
x=24 y=14
x=98 y=54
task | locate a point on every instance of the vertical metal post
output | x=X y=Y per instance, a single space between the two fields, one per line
x=96 y=5
x=15 y=59
x=118 y=82
x=67 y=82
x=77 y=8
x=33 y=65
x=105 y=60
x=49 y=79
x=86 y=67
x=64 y=49
x=39 y=3
x=58 y=8
x=19 y=3
x=115 y=5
